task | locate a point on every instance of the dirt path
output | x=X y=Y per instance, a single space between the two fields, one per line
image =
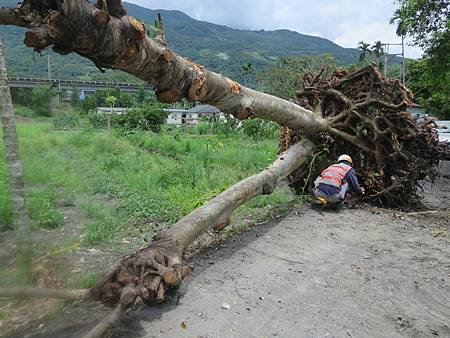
x=363 y=272
x=354 y=273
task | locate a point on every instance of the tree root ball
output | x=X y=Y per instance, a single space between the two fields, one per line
x=392 y=154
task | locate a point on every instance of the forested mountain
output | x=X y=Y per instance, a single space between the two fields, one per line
x=220 y=48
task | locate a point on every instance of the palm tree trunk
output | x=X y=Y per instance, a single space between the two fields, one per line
x=16 y=186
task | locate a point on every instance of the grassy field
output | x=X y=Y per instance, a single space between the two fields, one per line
x=128 y=185
x=94 y=195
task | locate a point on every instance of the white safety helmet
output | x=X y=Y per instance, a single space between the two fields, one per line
x=345 y=158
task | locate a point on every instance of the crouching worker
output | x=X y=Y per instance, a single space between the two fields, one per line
x=333 y=183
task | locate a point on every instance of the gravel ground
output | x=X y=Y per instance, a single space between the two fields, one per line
x=363 y=272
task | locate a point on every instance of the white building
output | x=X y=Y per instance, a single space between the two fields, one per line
x=113 y=111
x=192 y=116
x=176 y=116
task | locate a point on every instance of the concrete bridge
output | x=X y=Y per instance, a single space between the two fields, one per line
x=86 y=86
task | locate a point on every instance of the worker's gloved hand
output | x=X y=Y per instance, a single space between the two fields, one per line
x=363 y=191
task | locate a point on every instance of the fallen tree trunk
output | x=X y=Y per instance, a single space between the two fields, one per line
x=325 y=114
x=146 y=275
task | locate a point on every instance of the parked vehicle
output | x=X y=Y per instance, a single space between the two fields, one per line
x=443 y=129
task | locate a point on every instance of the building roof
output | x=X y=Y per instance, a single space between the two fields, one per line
x=175 y=110
x=204 y=109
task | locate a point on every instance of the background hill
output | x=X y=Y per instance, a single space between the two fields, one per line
x=220 y=48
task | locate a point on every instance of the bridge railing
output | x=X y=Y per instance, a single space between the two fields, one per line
x=76 y=82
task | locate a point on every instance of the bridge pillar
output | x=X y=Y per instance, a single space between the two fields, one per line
x=56 y=100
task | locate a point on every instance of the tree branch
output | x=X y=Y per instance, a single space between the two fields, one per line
x=9 y=16
x=106 y=324
x=82 y=294
x=160 y=35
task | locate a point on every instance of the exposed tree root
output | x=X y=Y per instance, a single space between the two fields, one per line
x=368 y=121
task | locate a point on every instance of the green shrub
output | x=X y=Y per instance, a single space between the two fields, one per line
x=23 y=111
x=21 y=96
x=42 y=209
x=75 y=98
x=146 y=117
x=48 y=217
x=225 y=127
x=98 y=99
x=41 y=100
x=202 y=128
x=260 y=129
x=66 y=120
x=98 y=121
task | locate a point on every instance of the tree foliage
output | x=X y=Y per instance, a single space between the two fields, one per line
x=378 y=51
x=428 y=23
x=75 y=98
x=99 y=99
x=365 y=50
x=260 y=129
x=150 y=117
x=283 y=79
x=430 y=90
x=41 y=100
x=247 y=71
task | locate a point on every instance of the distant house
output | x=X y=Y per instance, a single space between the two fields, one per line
x=192 y=116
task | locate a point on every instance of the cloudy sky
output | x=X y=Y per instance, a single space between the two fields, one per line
x=346 y=22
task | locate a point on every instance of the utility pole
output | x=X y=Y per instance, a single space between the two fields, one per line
x=403 y=59
x=388 y=56
x=385 y=54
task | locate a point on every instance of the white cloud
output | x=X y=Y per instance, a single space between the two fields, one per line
x=346 y=22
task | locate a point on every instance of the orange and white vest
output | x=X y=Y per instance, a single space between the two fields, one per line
x=334 y=175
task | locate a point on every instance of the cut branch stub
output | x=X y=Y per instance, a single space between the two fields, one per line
x=168 y=96
x=116 y=9
x=102 y=18
x=160 y=36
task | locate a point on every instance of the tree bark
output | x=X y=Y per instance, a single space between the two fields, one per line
x=114 y=40
x=16 y=183
x=220 y=208
x=83 y=294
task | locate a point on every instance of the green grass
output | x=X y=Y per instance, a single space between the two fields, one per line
x=50 y=178
x=102 y=227
x=152 y=180
x=84 y=280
